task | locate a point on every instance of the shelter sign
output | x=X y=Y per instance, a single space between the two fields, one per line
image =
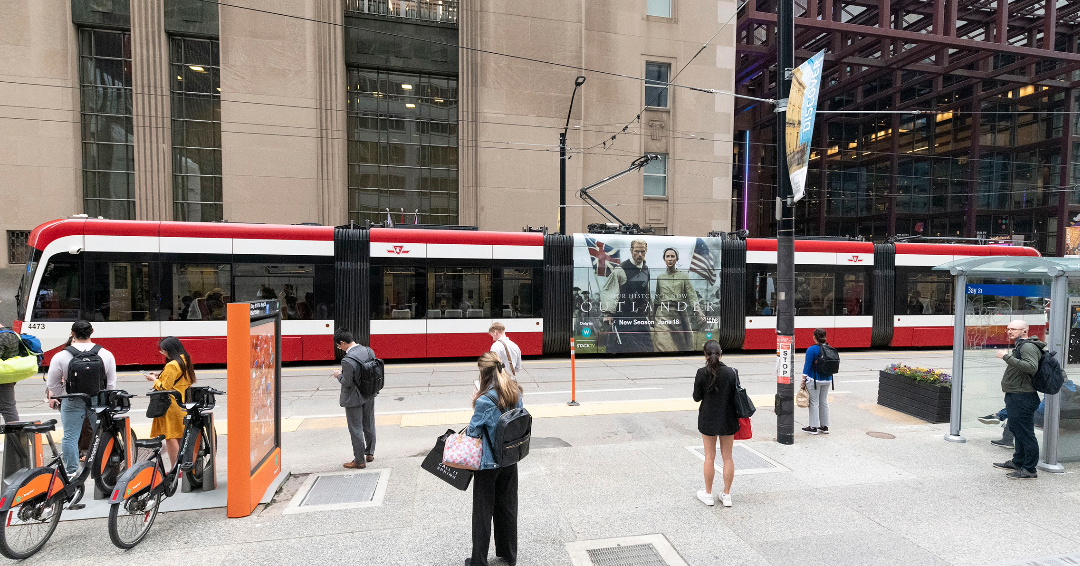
x=801 y=109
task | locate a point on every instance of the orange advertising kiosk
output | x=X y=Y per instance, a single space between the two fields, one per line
x=254 y=377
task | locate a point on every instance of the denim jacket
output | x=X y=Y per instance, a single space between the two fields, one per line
x=485 y=418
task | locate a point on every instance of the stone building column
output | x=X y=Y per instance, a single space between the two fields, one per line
x=331 y=117
x=151 y=109
x=468 y=111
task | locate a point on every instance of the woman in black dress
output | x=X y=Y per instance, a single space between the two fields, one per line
x=714 y=387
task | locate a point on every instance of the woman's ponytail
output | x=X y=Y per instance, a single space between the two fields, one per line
x=712 y=362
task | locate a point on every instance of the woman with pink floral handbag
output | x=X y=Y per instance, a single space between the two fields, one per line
x=495 y=488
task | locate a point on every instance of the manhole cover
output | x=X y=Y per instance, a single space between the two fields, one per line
x=633 y=555
x=884 y=435
x=340 y=490
x=747 y=460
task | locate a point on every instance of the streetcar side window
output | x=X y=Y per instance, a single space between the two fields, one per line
x=460 y=292
x=921 y=291
x=815 y=292
x=120 y=292
x=514 y=293
x=397 y=292
x=291 y=284
x=201 y=291
x=852 y=299
x=761 y=290
x=58 y=296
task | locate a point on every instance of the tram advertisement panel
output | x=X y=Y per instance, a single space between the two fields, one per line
x=263 y=385
x=635 y=294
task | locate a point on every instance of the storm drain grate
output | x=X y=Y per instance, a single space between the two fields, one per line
x=747 y=460
x=640 y=550
x=340 y=490
x=336 y=490
x=632 y=555
x=1060 y=560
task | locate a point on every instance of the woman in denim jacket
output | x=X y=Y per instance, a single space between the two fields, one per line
x=495 y=489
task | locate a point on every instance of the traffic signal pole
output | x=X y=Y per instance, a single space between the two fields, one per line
x=785 y=233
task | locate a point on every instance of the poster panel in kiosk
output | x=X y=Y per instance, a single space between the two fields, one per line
x=254 y=378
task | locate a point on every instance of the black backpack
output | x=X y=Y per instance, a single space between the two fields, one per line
x=369 y=375
x=1049 y=376
x=512 y=435
x=828 y=360
x=86 y=371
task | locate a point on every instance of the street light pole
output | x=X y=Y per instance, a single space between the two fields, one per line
x=785 y=232
x=562 y=159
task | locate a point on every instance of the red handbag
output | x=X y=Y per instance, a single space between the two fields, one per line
x=744 y=430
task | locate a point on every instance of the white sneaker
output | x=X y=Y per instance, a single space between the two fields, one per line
x=726 y=499
x=706 y=498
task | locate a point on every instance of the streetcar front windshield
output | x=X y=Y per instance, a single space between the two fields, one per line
x=22 y=296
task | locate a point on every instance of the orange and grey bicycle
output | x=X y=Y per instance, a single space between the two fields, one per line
x=32 y=503
x=139 y=491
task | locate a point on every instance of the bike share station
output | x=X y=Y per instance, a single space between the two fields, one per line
x=252 y=430
x=989 y=292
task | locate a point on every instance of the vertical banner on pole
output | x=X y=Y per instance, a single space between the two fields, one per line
x=784 y=359
x=254 y=378
x=802 y=107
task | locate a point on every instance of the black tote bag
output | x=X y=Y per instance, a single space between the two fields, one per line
x=433 y=463
x=744 y=407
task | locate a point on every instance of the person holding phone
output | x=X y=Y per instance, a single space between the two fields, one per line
x=178 y=375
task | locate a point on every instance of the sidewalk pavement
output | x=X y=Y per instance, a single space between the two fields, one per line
x=842 y=498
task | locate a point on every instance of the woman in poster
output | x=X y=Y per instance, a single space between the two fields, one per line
x=674 y=301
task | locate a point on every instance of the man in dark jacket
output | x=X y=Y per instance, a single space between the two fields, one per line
x=1021 y=400
x=359 y=411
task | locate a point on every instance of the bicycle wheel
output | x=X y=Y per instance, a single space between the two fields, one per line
x=200 y=462
x=112 y=461
x=28 y=526
x=131 y=519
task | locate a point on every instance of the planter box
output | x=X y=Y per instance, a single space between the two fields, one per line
x=923 y=400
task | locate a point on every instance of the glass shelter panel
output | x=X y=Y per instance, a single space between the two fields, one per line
x=990 y=306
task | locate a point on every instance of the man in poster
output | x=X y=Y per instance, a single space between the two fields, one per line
x=626 y=303
x=675 y=300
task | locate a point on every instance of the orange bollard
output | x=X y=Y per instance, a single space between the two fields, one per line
x=573 y=377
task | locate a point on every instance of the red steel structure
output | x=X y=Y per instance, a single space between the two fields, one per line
x=992 y=157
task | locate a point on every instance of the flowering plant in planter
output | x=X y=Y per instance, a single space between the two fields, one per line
x=925 y=375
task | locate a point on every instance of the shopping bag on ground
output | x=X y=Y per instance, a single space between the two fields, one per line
x=744 y=430
x=453 y=476
x=802 y=399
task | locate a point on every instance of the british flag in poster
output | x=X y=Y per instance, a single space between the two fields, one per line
x=604 y=257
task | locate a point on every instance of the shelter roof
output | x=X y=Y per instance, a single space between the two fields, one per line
x=1013 y=265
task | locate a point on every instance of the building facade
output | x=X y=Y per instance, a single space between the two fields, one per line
x=330 y=111
x=940 y=118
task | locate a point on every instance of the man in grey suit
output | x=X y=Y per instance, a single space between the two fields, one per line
x=359 y=411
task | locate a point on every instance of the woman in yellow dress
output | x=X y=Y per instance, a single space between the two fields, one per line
x=178 y=375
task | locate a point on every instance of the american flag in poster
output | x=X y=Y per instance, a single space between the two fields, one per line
x=603 y=256
x=703 y=261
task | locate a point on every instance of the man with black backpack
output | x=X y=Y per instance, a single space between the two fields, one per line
x=359 y=386
x=1021 y=400
x=82 y=367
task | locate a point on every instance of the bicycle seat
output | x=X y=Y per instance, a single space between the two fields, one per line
x=151 y=443
x=31 y=427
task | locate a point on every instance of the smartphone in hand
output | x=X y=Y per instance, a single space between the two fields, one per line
x=476 y=384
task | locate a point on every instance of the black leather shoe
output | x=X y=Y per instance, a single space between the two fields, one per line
x=1006 y=465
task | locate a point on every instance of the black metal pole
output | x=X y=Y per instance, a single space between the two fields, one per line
x=562 y=180
x=785 y=233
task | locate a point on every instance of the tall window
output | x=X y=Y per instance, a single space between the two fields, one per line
x=196 y=129
x=107 y=128
x=655 y=173
x=403 y=153
x=656 y=84
x=661 y=8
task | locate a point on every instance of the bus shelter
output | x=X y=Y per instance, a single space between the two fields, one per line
x=989 y=293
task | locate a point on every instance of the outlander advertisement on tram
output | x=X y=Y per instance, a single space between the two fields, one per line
x=637 y=294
